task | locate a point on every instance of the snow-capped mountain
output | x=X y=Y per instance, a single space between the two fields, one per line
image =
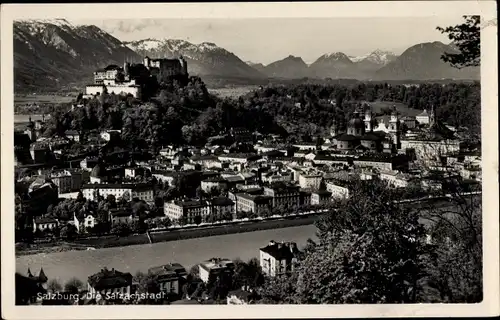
x=203 y=59
x=335 y=56
x=378 y=57
x=52 y=53
x=373 y=61
x=333 y=65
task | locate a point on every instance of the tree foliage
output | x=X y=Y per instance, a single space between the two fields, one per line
x=73 y=285
x=467 y=38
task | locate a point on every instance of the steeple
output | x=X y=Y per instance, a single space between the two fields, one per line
x=334 y=129
x=30 y=275
x=432 y=116
x=41 y=276
x=368 y=119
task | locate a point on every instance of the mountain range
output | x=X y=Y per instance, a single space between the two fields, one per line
x=203 y=59
x=54 y=53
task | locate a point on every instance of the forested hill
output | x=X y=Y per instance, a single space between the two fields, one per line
x=310 y=108
x=302 y=112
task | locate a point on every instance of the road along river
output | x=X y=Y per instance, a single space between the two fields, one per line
x=81 y=264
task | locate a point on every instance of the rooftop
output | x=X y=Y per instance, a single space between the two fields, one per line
x=217 y=263
x=221 y=201
x=108 y=279
x=169 y=269
x=281 y=250
x=256 y=198
x=132 y=186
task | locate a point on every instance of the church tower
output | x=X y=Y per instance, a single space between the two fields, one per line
x=368 y=120
x=432 y=117
x=394 y=129
x=334 y=129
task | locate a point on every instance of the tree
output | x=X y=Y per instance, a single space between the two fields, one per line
x=54 y=286
x=455 y=272
x=194 y=272
x=73 y=285
x=371 y=250
x=68 y=232
x=121 y=229
x=147 y=283
x=279 y=290
x=467 y=38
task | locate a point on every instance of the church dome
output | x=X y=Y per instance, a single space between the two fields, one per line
x=98 y=171
x=356 y=123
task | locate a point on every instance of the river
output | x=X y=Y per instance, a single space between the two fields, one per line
x=81 y=264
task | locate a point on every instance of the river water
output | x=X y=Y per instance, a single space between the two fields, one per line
x=81 y=264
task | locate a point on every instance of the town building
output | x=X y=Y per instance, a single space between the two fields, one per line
x=214 y=267
x=305 y=197
x=278 y=258
x=169 y=278
x=338 y=188
x=306 y=147
x=140 y=191
x=40 y=152
x=89 y=163
x=164 y=176
x=99 y=174
x=206 y=161
x=111 y=135
x=283 y=195
x=63 y=180
x=121 y=216
x=360 y=134
x=310 y=180
x=242 y=158
x=84 y=222
x=252 y=203
x=72 y=135
x=44 y=223
x=423 y=117
x=276 y=177
x=320 y=197
x=134 y=172
x=213 y=182
x=395 y=178
x=109 y=282
x=375 y=161
x=221 y=207
x=241 y=135
x=193 y=211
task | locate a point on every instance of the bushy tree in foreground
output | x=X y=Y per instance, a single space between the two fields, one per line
x=467 y=38
x=370 y=250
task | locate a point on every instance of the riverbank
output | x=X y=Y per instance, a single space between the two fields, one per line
x=63 y=266
x=168 y=235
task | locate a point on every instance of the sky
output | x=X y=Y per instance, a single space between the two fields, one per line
x=267 y=40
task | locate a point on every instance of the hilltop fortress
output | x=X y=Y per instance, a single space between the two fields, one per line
x=131 y=79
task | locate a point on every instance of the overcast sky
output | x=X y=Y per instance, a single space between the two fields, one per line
x=268 y=40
